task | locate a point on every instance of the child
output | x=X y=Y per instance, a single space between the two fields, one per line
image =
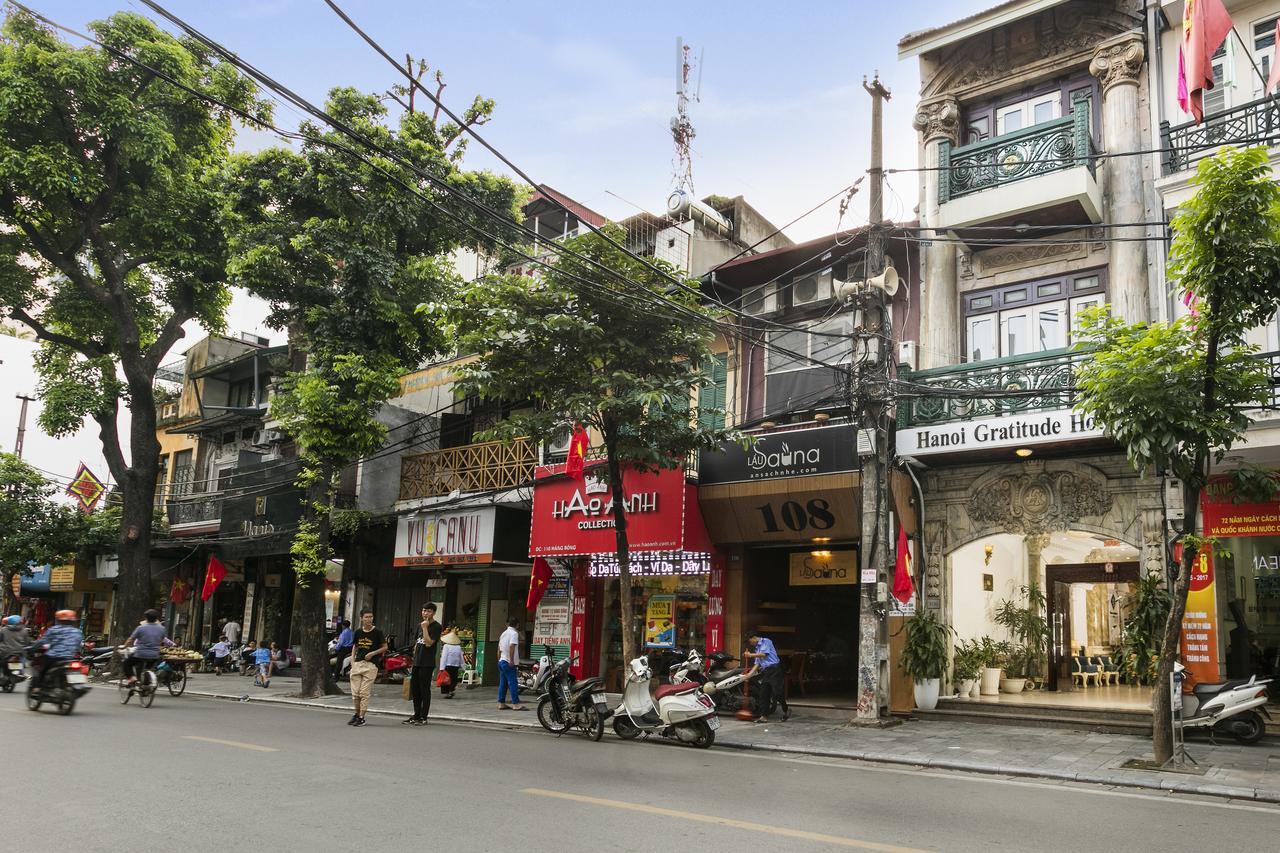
x=262 y=659
x=219 y=652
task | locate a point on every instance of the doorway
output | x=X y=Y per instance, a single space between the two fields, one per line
x=1085 y=609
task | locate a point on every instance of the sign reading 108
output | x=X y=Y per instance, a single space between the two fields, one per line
x=816 y=514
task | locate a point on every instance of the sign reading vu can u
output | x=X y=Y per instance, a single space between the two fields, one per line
x=462 y=537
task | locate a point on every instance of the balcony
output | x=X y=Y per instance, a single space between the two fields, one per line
x=1185 y=145
x=1041 y=175
x=489 y=466
x=195 y=511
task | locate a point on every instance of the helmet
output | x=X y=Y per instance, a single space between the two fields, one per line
x=13 y=621
x=66 y=616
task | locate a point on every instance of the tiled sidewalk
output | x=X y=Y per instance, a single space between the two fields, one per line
x=1238 y=772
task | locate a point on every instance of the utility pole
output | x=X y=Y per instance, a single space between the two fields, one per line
x=872 y=341
x=22 y=424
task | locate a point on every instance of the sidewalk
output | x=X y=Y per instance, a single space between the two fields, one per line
x=1249 y=773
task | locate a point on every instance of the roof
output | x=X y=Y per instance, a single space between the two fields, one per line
x=226 y=420
x=926 y=41
x=752 y=269
x=229 y=363
x=586 y=214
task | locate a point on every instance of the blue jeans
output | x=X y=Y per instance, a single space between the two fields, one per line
x=507 y=678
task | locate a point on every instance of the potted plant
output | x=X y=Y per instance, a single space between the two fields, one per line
x=992 y=656
x=924 y=657
x=1024 y=618
x=966 y=666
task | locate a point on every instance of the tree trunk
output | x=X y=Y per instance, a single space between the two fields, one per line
x=627 y=618
x=1161 y=705
x=317 y=677
x=137 y=484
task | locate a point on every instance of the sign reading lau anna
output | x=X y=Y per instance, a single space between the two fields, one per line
x=1021 y=430
x=575 y=517
x=793 y=453
x=460 y=537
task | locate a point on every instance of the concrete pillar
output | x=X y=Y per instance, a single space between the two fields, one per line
x=937 y=120
x=1035 y=549
x=1117 y=63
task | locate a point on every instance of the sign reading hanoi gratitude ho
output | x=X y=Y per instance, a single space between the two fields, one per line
x=1023 y=430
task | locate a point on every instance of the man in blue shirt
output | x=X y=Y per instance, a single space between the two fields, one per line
x=63 y=640
x=342 y=648
x=773 y=686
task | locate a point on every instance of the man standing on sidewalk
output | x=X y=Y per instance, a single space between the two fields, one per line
x=424 y=663
x=773 y=684
x=508 y=663
x=231 y=631
x=370 y=645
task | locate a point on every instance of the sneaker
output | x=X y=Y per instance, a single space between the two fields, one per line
x=786 y=715
x=412 y=721
x=422 y=721
x=762 y=719
x=359 y=722
x=353 y=720
x=504 y=707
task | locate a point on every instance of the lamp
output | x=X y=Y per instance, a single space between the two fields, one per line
x=987 y=551
x=1023 y=452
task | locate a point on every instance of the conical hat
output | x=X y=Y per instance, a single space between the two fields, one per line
x=451 y=639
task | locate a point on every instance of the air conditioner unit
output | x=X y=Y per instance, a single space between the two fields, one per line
x=762 y=299
x=265 y=437
x=907 y=355
x=559 y=446
x=1175 y=506
x=811 y=288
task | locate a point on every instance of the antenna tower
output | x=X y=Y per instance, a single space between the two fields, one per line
x=682 y=131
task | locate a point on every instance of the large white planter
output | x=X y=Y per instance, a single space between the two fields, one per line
x=1012 y=685
x=926 y=690
x=990 y=681
x=966 y=687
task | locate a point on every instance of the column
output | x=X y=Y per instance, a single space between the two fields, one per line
x=1035 y=568
x=938 y=121
x=1117 y=63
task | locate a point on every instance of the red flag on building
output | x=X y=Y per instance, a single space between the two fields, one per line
x=180 y=591
x=902 y=585
x=537 y=583
x=578 y=444
x=1274 y=77
x=212 y=577
x=1205 y=26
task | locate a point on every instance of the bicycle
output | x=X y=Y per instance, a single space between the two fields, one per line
x=146 y=687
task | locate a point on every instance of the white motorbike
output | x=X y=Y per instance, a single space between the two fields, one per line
x=682 y=712
x=1230 y=707
x=693 y=668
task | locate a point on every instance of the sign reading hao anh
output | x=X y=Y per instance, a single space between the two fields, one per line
x=456 y=537
x=793 y=453
x=575 y=517
x=1022 y=430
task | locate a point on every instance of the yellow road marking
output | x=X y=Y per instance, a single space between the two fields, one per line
x=722 y=821
x=235 y=743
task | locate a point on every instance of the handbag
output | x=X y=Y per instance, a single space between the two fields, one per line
x=406 y=691
x=443 y=679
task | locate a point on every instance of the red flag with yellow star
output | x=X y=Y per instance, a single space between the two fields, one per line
x=537 y=583
x=578 y=444
x=212 y=577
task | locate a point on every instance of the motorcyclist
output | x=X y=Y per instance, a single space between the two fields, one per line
x=14 y=638
x=63 y=642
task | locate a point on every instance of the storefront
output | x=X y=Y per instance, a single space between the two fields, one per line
x=677 y=589
x=471 y=562
x=786 y=513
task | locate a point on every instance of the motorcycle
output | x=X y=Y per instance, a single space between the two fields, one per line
x=718 y=681
x=683 y=712
x=12 y=673
x=61 y=685
x=1230 y=707
x=394 y=666
x=96 y=658
x=571 y=704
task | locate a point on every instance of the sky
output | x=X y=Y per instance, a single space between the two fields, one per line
x=585 y=91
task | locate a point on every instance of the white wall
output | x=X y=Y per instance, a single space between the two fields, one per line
x=971 y=606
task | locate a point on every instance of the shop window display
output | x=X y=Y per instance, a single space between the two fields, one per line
x=688 y=628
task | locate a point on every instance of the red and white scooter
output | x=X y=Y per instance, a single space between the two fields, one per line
x=683 y=712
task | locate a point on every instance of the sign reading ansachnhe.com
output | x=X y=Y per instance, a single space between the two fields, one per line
x=792 y=453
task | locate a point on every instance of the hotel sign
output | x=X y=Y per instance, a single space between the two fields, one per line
x=1022 y=430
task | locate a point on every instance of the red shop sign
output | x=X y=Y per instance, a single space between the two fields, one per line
x=575 y=517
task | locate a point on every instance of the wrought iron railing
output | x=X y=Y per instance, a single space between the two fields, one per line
x=1009 y=385
x=1051 y=146
x=196 y=509
x=1254 y=123
x=470 y=468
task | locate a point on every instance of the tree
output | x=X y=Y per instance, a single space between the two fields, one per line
x=345 y=254
x=34 y=528
x=578 y=345
x=1176 y=395
x=110 y=237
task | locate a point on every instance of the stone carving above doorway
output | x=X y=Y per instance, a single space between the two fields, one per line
x=1036 y=500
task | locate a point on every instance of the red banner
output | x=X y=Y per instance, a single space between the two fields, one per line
x=1200 y=625
x=1225 y=519
x=575 y=517
x=715 y=605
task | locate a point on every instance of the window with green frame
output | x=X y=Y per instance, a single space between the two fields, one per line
x=713 y=395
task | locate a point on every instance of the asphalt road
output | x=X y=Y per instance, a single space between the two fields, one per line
x=195 y=774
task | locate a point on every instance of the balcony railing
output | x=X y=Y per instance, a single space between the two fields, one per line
x=1007 y=386
x=1254 y=123
x=471 y=468
x=195 y=509
x=1051 y=146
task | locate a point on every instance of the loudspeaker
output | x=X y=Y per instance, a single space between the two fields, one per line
x=886 y=281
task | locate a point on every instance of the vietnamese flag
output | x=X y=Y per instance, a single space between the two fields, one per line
x=573 y=466
x=212 y=577
x=902 y=585
x=180 y=591
x=1274 y=77
x=1205 y=26
x=537 y=583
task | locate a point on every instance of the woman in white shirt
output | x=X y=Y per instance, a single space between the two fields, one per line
x=451 y=661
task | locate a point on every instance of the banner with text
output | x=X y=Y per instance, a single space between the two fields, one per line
x=1021 y=430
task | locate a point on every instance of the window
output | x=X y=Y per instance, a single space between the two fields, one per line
x=1028 y=113
x=240 y=394
x=1264 y=50
x=183 y=473
x=1217 y=99
x=1029 y=317
x=832 y=345
x=978 y=130
x=712 y=396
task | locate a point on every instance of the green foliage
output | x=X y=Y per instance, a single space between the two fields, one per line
x=590 y=353
x=1023 y=617
x=309 y=557
x=346 y=523
x=991 y=653
x=33 y=526
x=967 y=660
x=1251 y=483
x=100 y=532
x=1143 y=635
x=924 y=648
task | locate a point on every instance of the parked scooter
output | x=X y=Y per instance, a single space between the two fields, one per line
x=12 y=674
x=718 y=681
x=1230 y=707
x=568 y=703
x=394 y=666
x=682 y=712
x=61 y=685
x=96 y=658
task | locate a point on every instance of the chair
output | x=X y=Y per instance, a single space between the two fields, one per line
x=795 y=672
x=1108 y=672
x=1082 y=671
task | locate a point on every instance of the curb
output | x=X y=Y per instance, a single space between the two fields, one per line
x=1114 y=778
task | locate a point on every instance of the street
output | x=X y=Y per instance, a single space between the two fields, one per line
x=199 y=774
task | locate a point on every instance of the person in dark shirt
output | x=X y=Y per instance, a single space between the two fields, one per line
x=424 y=664
x=369 y=647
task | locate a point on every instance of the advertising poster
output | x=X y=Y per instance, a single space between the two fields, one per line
x=715 y=606
x=660 y=622
x=1200 y=625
